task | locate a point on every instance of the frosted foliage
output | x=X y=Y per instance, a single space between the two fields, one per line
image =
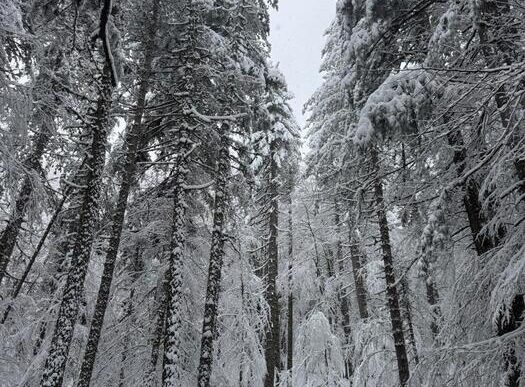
x=370 y=339
x=436 y=231
x=319 y=356
x=397 y=105
x=363 y=36
x=445 y=36
x=511 y=279
x=202 y=246
x=239 y=349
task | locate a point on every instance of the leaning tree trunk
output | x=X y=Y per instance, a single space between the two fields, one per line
x=391 y=289
x=209 y=325
x=34 y=256
x=272 y=349
x=133 y=140
x=79 y=250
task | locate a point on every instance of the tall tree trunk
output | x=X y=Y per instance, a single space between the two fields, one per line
x=136 y=266
x=158 y=331
x=388 y=261
x=172 y=339
x=407 y=316
x=289 y=344
x=56 y=260
x=343 y=298
x=356 y=257
x=128 y=314
x=471 y=201
x=79 y=250
x=209 y=324
x=272 y=349
x=133 y=140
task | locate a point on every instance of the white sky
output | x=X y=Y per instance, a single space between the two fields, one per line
x=297 y=38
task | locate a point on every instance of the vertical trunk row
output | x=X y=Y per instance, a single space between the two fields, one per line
x=391 y=290
x=172 y=339
x=79 y=249
x=209 y=324
x=132 y=142
x=272 y=349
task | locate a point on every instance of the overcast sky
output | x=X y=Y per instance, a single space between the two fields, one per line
x=297 y=38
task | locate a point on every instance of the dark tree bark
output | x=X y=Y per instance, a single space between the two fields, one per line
x=343 y=298
x=508 y=321
x=161 y=299
x=209 y=325
x=133 y=139
x=407 y=316
x=471 y=201
x=272 y=348
x=136 y=266
x=79 y=249
x=391 y=289
x=358 y=273
x=289 y=344
x=128 y=314
x=172 y=339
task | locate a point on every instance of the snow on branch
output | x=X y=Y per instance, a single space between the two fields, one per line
x=209 y=119
x=198 y=186
x=397 y=105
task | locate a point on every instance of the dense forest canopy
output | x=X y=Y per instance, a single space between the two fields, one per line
x=165 y=221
